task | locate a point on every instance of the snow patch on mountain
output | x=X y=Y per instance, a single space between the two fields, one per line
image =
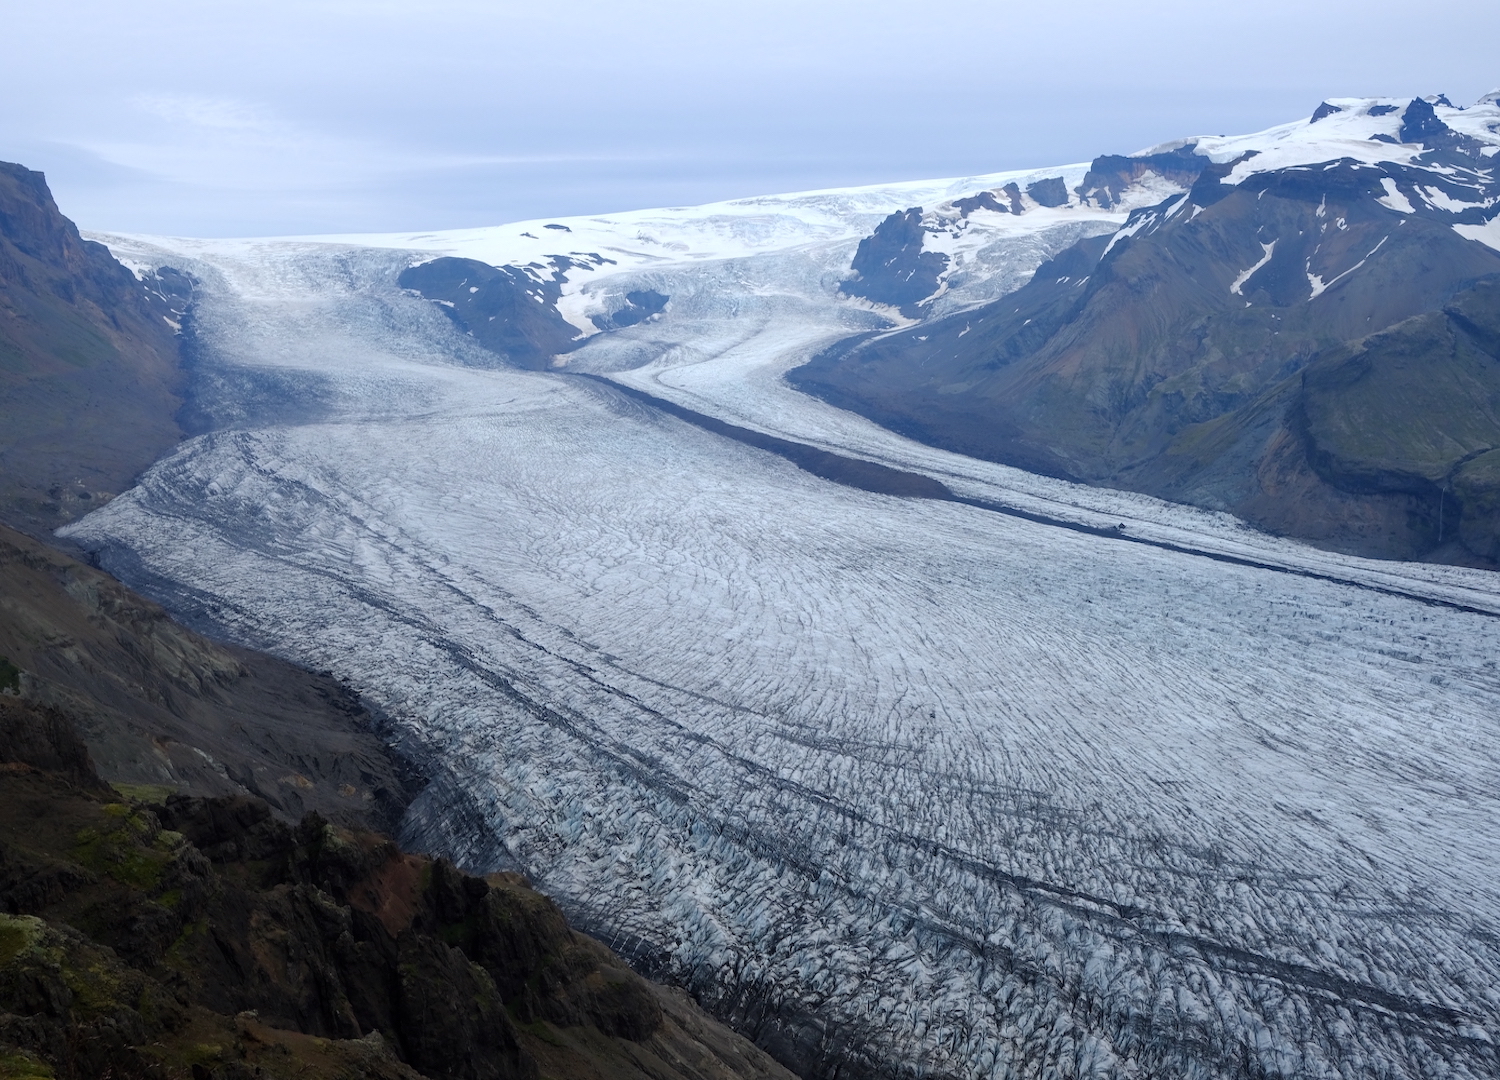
x=647 y=240
x=1488 y=233
x=1366 y=130
x=1249 y=272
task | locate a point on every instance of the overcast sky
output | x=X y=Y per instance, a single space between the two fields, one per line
x=221 y=118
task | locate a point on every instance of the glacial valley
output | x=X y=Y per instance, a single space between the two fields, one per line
x=1040 y=779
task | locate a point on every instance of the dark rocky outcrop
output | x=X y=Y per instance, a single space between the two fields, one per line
x=989 y=200
x=512 y=310
x=207 y=938
x=890 y=266
x=508 y=309
x=44 y=738
x=640 y=305
x=1110 y=174
x=1419 y=123
x=89 y=375
x=1052 y=191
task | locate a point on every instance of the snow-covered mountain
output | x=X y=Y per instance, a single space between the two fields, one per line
x=1430 y=159
x=569 y=280
x=1007 y=777
x=1224 y=348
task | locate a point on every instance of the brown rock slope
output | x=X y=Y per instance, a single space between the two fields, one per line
x=161 y=706
x=89 y=372
x=204 y=938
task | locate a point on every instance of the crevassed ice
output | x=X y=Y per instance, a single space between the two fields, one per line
x=982 y=796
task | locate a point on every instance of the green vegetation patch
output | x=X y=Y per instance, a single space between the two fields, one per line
x=19 y=1065
x=539 y=1029
x=1414 y=401
x=127 y=854
x=17 y=932
x=96 y=984
x=181 y=954
x=146 y=794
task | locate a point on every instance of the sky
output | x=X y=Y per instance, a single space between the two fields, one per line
x=317 y=116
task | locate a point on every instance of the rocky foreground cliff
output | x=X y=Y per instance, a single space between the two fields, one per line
x=206 y=938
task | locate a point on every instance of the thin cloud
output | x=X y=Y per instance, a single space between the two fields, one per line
x=244 y=146
x=209 y=113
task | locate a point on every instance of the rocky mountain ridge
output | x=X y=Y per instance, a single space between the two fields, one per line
x=90 y=378
x=1224 y=347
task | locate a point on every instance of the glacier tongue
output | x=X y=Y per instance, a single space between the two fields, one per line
x=905 y=787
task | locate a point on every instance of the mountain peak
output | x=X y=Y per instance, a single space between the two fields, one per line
x=1420 y=122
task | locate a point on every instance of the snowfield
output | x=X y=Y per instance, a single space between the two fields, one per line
x=910 y=785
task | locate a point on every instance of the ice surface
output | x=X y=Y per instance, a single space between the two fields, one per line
x=642 y=240
x=1349 y=134
x=982 y=796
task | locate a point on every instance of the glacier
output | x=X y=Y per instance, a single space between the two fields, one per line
x=1048 y=782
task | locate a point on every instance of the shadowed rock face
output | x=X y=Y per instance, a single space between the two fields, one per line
x=1111 y=174
x=640 y=305
x=89 y=373
x=508 y=309
x=512 y=310
x=1049 y=192
x=1219 y=352
x=891 y=267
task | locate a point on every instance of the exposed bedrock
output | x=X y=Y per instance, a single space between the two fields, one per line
x=890 y=266
x=1219 y=352
x=510 y=309
x=163 y=935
